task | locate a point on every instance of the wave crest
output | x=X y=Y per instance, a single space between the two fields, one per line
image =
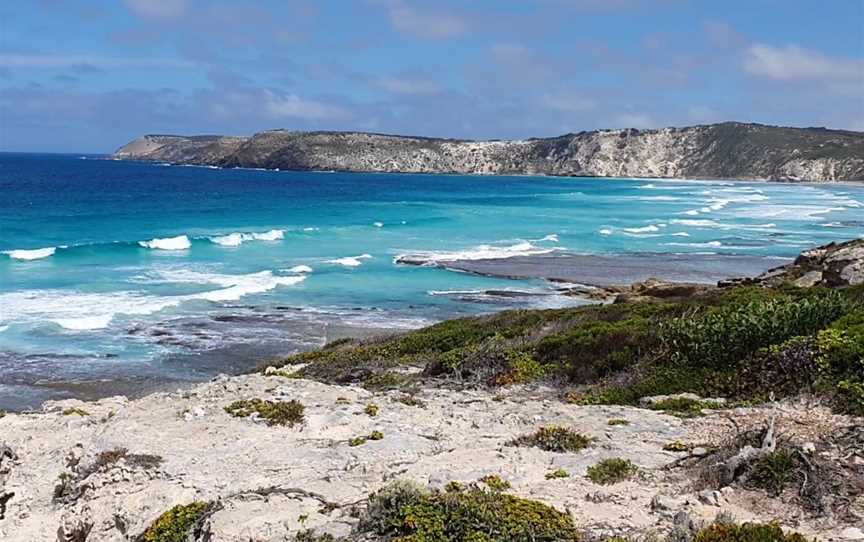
x=181 y=242
x=31 y=254
x=238 y=238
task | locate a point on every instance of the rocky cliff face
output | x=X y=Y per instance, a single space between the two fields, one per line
x=728 y=150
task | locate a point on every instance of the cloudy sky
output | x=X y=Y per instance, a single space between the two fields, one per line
x=88 y=76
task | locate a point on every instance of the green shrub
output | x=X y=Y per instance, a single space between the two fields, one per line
x=408 y=513
x=557 y=473
x=175 y=524
x=676 y=446
x=684 y=407
x=773 y=471
x=75 y=411
x=726 y=335
x=841 y=361
x=495 y=482
x=357 y=441
x=287 y=413
x=371 y=409
x=553 y=439
x=611 y=471
x=747 y=532
x=617 y=421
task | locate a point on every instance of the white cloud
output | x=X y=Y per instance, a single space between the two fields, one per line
x=425 y=24
x=796 y=63
x=408 y=86
x=568 y=102
x=27 y=60
x=292 y=106
x=157 y=9
x=633 y=120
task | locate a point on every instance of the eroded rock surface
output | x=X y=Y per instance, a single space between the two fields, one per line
x=106 y=475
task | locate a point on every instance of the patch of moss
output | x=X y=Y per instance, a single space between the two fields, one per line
x=746 y=532
x=553 y=438
x=77 y=411
x=357 y=441
x=371 y=409
x=617 y=421
x=611 y=471
x=409 y=513
x=495 y=482
x=684 y=407
x=176 y=524
x=376 y=435
x=556 y=474
x=676 y=446
x=273 y=413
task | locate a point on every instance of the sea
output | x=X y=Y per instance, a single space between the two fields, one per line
x=120 y=277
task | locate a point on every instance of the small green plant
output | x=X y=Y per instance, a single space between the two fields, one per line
x=371 y=409
x=77 y=411
x=611 y=471
x=410 y=513
x=376 y=435
x=410 y=400
x=618 y=421
x=453 y=485
x=746 y=532
x=495 y=482
x=684 y=407
x=773 y=471
x=553 y=438
x=676 y=446
x=556 y=474
x=308 y=535
x=343 y=401
x=357 y=441
x=175 y=524
x=273 y=413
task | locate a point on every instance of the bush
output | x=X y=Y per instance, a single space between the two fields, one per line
x=371 y=409
x=747 y=532
x=408 y=513
x=841 y=361
x=722 y=336
x=772 y=472
x=611 y=471
x=175 y=524
x=553 y=439
x=287 y=413
x=495 y=482
x=557 y=473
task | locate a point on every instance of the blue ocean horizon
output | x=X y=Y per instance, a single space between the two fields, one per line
x=143 y=273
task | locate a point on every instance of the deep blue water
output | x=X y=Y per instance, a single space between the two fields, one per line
x=82 y=298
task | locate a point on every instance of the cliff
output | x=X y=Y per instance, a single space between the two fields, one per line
x=727 y=150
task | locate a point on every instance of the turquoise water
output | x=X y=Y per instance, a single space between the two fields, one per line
x=116 y=271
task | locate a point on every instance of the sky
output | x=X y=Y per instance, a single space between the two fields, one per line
x=88 y=76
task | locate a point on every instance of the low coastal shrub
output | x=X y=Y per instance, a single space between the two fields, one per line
x=556 y=474
x=410 y=513
x=176 y=524
x=611 y=471
x=746 y=532
x=495 y=482
x=684 y=407
x=617 y=421
x=75 y=411
x=676 y=446
x=553 y=438
x=841 y=361
x=357 y=441
x=287 y=413
x=371 y=409
x=376 y=435
x=773 y=472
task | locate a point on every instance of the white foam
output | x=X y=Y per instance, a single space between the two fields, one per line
x=238 y=238
x=181 y=242
x=81 y=311
x=378 y=224
x=350 y=261
x=552 y=237
x=697 y=223
x=707 y=244
x=606 y=231
x=681 y=234
x=32 y=254
x=300 y=269
x=691 y=212
x=481 y=252
x=645 y=229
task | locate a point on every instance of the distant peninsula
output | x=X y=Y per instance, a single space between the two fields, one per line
x=729 y=150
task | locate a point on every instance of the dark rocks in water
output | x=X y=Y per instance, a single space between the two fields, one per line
x=832 y=265
x=729 y=150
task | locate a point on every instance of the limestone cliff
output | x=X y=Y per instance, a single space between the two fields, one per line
x=727 y=150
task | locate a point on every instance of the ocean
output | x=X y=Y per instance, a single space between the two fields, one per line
x=124 y=277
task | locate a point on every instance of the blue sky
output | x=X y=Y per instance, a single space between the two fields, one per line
x=88 y=76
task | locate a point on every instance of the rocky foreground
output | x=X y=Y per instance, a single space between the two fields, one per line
x=106 y=470
x=729 y=150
